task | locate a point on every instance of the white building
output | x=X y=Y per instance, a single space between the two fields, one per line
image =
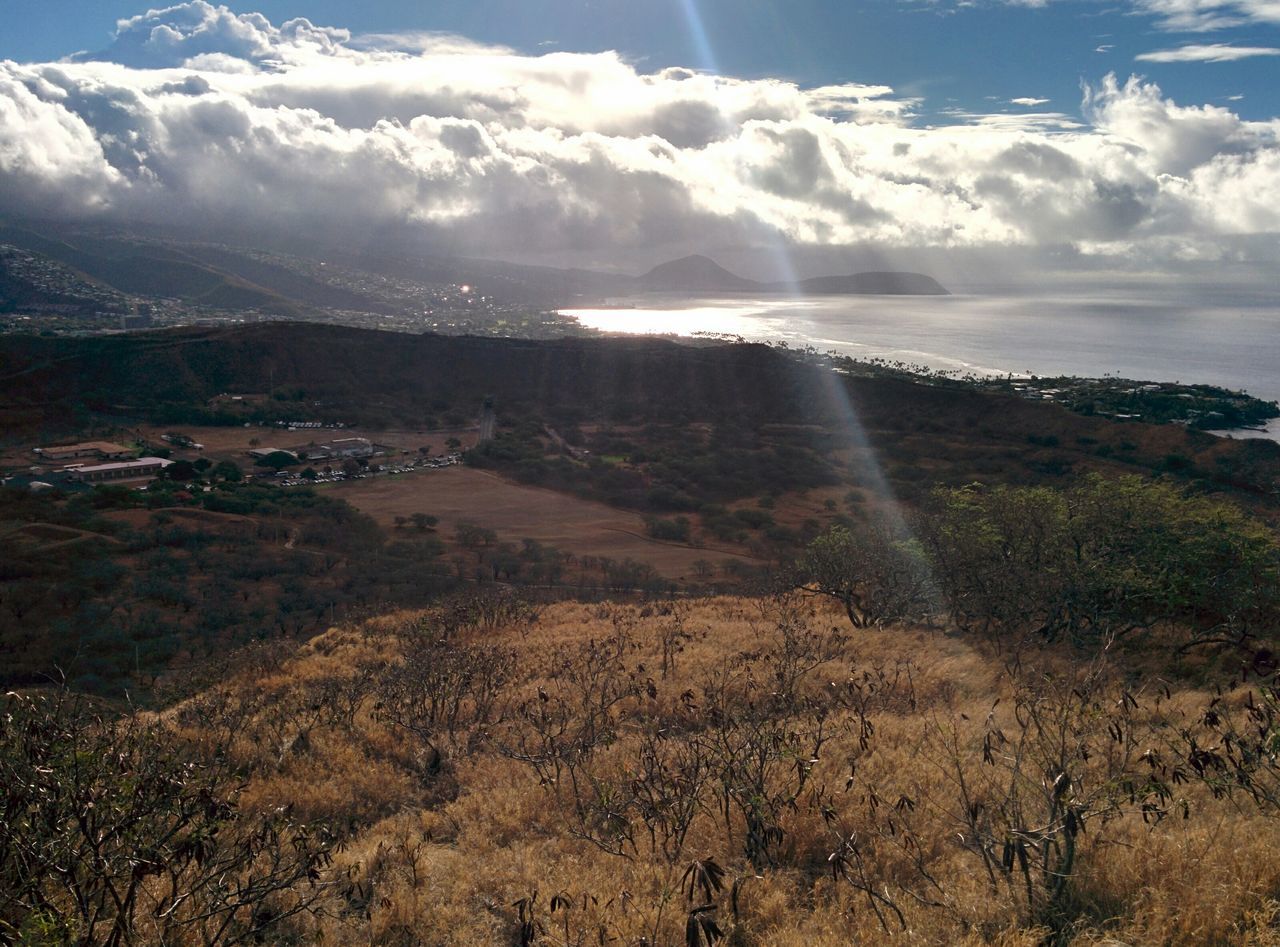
x=127 y=470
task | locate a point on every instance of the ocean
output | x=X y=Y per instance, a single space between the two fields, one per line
x=1226 y=336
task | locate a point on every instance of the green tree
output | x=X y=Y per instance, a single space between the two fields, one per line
x=876 y=575
x=472 y=536
x=674 y=530
x=1102 y=560
x=228 y=470
x=1149 y=554
x=180 y=470
x=999 y=557
x=277 y=460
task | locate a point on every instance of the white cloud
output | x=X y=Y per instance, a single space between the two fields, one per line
x=423 y=42
x=1215 y=52
x=1185 y=16
x=197 y=114
x=173 y=35
x=1030 y=122
x=1202 y=16
x=1028 y=101
x=860 y=102
x=50 y=160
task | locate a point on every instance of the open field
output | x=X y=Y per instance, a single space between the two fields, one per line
x=463 y=495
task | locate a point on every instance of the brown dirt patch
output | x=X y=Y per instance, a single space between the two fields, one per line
x=514 y=511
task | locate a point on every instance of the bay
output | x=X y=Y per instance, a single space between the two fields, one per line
x=1221 y=336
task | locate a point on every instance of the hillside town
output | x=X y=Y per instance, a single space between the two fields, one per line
x=39 y=293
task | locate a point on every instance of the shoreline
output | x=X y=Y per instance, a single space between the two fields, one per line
x=1059 y=388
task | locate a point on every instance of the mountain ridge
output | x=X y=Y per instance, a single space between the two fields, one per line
x=698 y=273
x=694 y=273
x=237 y=277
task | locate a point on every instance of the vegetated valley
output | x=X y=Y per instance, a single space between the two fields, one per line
x=889 y=659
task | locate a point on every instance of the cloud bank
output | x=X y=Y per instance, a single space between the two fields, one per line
x=1202 y=16
x=1176 y=16
x=1214 y=52
x=197 y=114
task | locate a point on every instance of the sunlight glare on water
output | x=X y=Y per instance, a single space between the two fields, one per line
x=749 y=321
x=1150 y=334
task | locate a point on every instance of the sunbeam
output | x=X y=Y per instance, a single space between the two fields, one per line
x=838 y=404
x=698 y=36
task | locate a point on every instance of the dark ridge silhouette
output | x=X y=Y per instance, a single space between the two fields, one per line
x=700 y=274
x=150 y=269
x=226 y=277
x=371 y=377
x=880 y=282
x=695 y=274
x=403 y=375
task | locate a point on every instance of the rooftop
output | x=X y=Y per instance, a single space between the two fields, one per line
x=105 y=447
x=125 y=465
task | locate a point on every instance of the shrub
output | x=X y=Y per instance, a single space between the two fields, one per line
x=675 y=530
x=875 y=574
x=114 y=834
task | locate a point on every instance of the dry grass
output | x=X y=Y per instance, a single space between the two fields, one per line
x=458 y=830
x=516 y=511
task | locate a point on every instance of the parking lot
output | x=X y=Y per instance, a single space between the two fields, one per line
x=291 y=478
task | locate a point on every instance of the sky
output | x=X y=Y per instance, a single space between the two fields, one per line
x=1135 y=135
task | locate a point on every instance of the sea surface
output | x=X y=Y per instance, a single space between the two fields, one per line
x=1219 y=336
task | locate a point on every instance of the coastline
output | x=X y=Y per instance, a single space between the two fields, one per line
x=985 y=340
x=1269 y=432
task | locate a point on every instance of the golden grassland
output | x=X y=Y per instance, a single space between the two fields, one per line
x=746 y=769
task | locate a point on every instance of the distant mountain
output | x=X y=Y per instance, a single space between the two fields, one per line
x=699 y=274
x=880 y=282
x=233 y=277
x=549 y=286
x=694 y=274
x=553 y=287
x=509 y=282
x=147 y=268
